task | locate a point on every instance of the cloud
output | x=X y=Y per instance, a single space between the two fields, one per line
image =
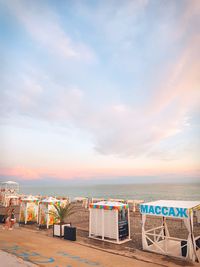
x=131 y=131
x=44 y=26
x=33 y=93
x=113 y=20
x=20 y=171
x=119 y=127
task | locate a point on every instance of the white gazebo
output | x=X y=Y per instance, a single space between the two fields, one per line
x=9 y=193
x=158 y=239
x=29 y=210
x=109 y=221
x=46 y=205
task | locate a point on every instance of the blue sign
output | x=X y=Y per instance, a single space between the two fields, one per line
x=164 y=211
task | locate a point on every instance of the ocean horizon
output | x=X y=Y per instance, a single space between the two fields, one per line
x=147 y=192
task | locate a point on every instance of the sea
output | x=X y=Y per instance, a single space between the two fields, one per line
x=146 y=192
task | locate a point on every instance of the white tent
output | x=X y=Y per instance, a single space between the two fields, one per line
x=45 y=206
x=29 y=210
x=158 y=239
x=109 y=221
x=10 y=186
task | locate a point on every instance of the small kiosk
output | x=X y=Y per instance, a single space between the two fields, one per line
x=109 y=221
x=45 y=206
x=159 y=240
x=9 y=193
x=28 y=210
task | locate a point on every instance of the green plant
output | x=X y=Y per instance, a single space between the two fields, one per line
x=61 y=213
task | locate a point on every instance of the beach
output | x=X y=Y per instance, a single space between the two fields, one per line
x=132 y=249
x=41 y=248
x=99 y=133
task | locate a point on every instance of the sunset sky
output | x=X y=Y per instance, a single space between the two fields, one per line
x=100 y=89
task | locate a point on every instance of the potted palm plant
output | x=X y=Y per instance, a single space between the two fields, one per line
x=60 y=215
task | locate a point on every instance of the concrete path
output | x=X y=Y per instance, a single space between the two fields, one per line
x=54 y=252
x=9 y=260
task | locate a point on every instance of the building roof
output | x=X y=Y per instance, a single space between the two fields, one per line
x=174 y=203
x=10 y=182
x=108 y=205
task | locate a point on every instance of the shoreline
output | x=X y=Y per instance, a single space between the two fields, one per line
x=147 y=192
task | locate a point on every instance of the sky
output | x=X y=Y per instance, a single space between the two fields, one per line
x=100 y=90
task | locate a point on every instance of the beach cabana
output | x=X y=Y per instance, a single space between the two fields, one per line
x=29 y=210
x=158 y=239
x=109 y=221
x=46 y=205
x=9 y=187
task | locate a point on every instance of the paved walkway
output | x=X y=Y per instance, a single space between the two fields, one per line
x=9 y=260
x=54 y=252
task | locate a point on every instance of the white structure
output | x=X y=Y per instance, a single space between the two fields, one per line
x=29 y=210
x=109 y=221
x=197 y=214
x=45 y=206
x=9 y=193
x=158 y=239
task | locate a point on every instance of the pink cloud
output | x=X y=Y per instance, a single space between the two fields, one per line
x=96 y=172
x=22 y=172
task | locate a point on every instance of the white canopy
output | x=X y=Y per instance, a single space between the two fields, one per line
x=158 y=239
x=9 y=182
x=80 y=198
x=50 y=200
x=10 y=196
x=29 y=198
x=169 y=208
x=109 y=204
